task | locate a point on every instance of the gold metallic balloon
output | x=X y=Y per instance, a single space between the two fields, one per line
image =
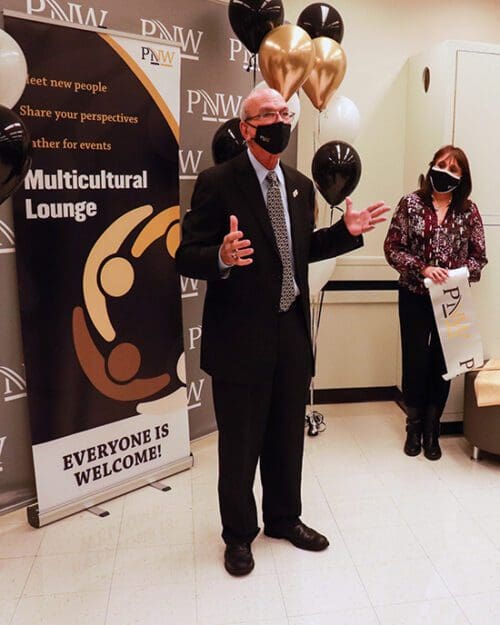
x=286 y=58
x=327 y=73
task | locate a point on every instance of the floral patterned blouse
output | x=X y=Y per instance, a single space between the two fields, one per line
x=415 y=240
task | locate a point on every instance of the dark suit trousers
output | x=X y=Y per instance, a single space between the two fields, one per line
x=422 y=355
x=264 y=421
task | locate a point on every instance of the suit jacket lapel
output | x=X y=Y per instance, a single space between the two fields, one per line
x=250 y=187
x=293 y=197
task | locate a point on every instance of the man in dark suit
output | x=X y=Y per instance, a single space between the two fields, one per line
x=250 y=235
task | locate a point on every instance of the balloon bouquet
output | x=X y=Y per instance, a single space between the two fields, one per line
x=336 y=166
x=15 y=141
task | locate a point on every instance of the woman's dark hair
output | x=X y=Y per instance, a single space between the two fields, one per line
x=462 y=192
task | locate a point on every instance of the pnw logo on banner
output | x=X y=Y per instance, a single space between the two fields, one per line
x=7 y=239
x=158 y=56
x=14 y=385
x=216 y=107
x=67 y=12
x=188 y=38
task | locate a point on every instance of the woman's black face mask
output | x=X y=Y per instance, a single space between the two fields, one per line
x=442 y=180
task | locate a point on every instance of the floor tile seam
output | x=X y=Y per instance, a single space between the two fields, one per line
x=153 y=546
x=282 y=594
x=18 y=601
x=434 y=556
x=115 y=555
x=56 y=594
x=461 y=508
x=197 y=579
x=21 y=595
x=494 y=547
x=429 y=559
x=409 y=603
x=33 y=555
x=340 y=533
x=438 y=573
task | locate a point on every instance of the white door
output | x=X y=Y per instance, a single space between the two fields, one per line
x=477 y=131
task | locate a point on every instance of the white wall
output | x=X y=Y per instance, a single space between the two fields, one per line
x=380 y=35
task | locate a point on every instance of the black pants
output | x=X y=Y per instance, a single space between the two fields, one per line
x=264 y=422
x=423 y=360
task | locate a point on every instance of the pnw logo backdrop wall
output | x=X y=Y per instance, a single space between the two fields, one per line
x=17 y=486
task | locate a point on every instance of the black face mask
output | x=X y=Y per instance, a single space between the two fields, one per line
x=272 y=138
x=442 y=180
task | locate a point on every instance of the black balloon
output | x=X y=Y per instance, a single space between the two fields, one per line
x=15 y=152
x=251 y=20
x=336 y=169
x=322 y=20
x=228 y=141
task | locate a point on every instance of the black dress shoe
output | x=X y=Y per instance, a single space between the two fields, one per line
x=301 y=536
x=238 y=559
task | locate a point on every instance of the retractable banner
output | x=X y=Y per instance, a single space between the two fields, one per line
x=455 y=320
x=97 y=227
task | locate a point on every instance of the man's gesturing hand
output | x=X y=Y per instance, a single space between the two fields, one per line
x=359 y=222
x=234 y=249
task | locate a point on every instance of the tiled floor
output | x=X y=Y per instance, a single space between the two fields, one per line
x=413 y=543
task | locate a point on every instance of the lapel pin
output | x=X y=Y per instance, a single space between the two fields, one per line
x=295 y=193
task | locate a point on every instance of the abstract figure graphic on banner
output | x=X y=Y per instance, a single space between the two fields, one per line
x=435 y=229
x=107 y=273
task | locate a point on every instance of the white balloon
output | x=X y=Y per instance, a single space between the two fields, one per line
x=293 y=103
x=181 y=368
x=340 y=121
x=13 y=70
x=319 y=274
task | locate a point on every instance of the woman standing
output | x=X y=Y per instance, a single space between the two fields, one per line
x=433 y=229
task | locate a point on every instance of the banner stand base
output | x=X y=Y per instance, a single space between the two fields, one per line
x=160 y=486
x=38 y=519
x=98 y=511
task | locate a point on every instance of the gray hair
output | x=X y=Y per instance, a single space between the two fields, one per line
x=256 y=91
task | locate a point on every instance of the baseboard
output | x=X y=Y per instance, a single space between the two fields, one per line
x=452 y=428
x=361 y=285
x=377 y=393
x=355 y=395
